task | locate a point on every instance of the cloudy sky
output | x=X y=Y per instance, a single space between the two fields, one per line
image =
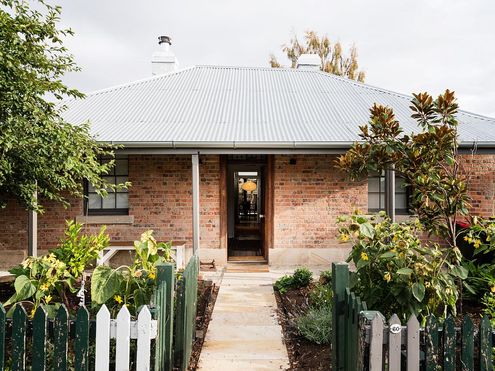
x=405 y=46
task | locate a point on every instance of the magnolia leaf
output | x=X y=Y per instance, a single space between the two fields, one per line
x=418 y=291
x=388 y=254
x=105 y=283
x=367 y=230
x=405 y=271
x=460 y=272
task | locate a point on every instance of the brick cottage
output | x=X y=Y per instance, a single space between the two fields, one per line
x=239 y=163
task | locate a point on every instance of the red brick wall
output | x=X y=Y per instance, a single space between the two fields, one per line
x=480 y=172
x=13 y=227
x=160 y=199
x=308 y=198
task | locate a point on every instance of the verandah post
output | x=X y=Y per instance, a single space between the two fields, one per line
x=165 y=316
x=340 y=281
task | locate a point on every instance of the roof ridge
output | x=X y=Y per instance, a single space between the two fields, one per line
x=139 y=81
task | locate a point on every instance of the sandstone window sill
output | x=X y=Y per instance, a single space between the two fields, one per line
x=105 y=219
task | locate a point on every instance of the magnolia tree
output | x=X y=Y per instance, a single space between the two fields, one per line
x=40 y=153
x=427 y=160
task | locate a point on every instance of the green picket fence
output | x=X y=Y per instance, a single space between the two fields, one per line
x=24 y=342
x=365 y=340
x=62 y=343
x=176 y=323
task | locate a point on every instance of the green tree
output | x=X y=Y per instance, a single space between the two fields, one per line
x=428 y=160
x=333 y=60
x=39 y=151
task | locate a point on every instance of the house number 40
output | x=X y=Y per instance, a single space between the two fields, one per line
x=395 y=329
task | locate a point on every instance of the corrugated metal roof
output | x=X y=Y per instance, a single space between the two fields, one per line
x=213 y=106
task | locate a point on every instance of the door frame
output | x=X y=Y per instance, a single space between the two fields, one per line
x=268 y=180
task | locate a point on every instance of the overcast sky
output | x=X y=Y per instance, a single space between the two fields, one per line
x=404 y=45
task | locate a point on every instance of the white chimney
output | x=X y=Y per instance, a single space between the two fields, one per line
x=309 y=62
x=163 y=59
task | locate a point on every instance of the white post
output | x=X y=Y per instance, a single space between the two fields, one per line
x=33 y=231
x=195 y=201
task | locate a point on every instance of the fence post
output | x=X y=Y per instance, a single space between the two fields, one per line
x=3 y=320
x=340 y=281
x=164 y=309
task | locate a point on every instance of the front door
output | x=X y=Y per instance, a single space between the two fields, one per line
x=246 y=211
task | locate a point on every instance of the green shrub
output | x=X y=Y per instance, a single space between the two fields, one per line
x=488 y=302
x=49 y=278
x=321 y=296
x=396 y=272
x=326 y=277
x=316 y=325
x=132 y=285
x=480 y=280
x=302 y=277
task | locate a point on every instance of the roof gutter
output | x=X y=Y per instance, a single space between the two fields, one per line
x=235 y=145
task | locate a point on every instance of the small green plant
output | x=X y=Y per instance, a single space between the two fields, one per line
x=132 y=285
x=48 y=279
x=326 y=277
x=316 y=325
x=488 y=302
x=302 y=277
x=321 y=296
x=480 y=280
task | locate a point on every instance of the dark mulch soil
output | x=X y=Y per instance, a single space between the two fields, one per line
x=207 y=295
x=303 y=354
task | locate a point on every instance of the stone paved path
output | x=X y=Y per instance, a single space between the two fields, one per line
x=244 y=333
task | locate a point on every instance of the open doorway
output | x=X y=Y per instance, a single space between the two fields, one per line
x=246 y=209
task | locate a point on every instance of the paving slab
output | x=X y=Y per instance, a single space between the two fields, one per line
x=244 y=333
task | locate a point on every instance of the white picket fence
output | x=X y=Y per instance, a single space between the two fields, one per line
x=122 y=329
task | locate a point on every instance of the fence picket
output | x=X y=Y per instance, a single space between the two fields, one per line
x=449 y=344
x=81 y=343
x=376 y=343
x=123 y=340
x=486 y=345
x=40 y=332
x=179 y=323
x=340 y=280
x=467 y=350
x=394 y=344
x=431 y=340
x=356 y=305
x=19 y=325
x=102 y=356
x=3 y=319
x=413 y=344
x=348 y=327
x=164 y=308
x=143 y=340
x=60 y=335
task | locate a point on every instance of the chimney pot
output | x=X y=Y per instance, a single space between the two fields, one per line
x=164 y=39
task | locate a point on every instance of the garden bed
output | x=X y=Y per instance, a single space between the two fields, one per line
x=303 y=354
x=207 y=295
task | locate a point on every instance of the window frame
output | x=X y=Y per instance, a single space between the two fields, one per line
x=108 y=211
x=407 y=192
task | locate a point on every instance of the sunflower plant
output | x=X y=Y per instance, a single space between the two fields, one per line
x=396 y=272
x=130 y=285
x=49 y=279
